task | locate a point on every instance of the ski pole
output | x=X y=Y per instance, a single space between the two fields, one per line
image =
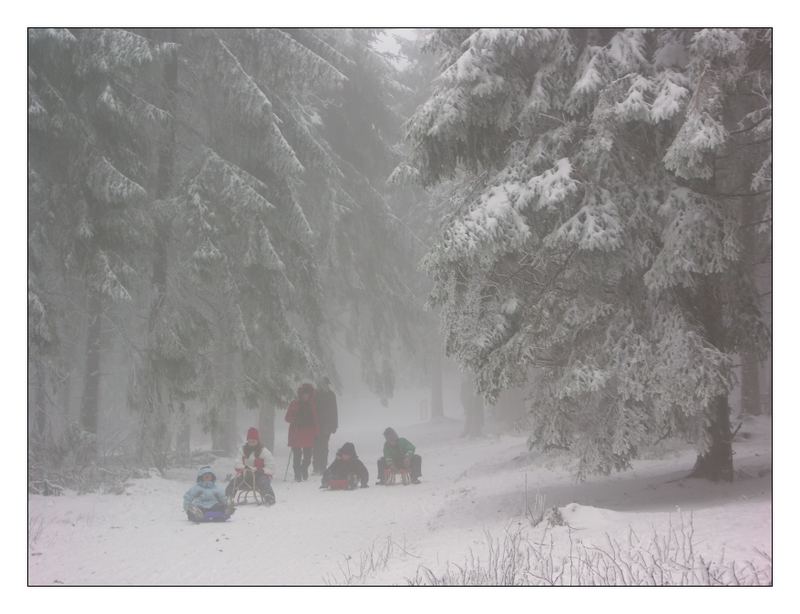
x=285 y=473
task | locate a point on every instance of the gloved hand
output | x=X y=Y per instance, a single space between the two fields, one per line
x=407 y=462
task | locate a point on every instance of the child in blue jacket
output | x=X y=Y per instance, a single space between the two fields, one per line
x=206 y=496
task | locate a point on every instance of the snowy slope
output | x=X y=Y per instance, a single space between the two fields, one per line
x=470 y=487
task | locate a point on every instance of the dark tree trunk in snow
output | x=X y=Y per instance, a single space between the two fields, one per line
x=769 y=393
x=155 y=422
x=266 y=425
x=223 y=414
x=183 y=439
x=751 y=387
x=39 y=405
x=437 y=402
x=716 y=463
x=91 y=382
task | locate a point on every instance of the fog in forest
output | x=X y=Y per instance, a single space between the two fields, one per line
x=541 y=251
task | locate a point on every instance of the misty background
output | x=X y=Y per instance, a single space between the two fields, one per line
x=216 y=216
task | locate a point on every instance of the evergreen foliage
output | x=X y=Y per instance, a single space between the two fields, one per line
x=594 y=252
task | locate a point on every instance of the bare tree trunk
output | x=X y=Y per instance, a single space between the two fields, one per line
x=266 y=425
x=91 y=382
x=717 y=462
x=769 y=394
x=437 y=401
x=183 y=439
x=751 y=390
x=751 y=387
x=39 y=403
x=154 y=434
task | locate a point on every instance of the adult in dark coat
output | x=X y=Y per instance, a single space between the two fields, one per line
x=303 y=428
x=347 y=466
x=328 y=414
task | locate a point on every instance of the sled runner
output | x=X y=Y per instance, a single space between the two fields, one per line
x=350 y=483
x=390 y=477
x=244 y=485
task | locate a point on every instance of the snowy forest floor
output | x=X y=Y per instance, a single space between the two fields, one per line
x=473 y=492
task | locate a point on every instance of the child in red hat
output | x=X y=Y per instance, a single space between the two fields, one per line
x=258 y=466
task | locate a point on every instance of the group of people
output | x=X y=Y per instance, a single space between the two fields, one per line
x=312 y=418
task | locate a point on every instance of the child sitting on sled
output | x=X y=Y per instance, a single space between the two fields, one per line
x=205 y=500
x=346 y=471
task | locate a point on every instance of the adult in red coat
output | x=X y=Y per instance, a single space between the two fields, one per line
x=303 y=429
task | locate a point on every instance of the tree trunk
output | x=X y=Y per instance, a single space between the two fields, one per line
x=266 y=425
x=155 y=423
x=183 y=439
x=223 y=413
x=751 y=390
x=769 y=391
x=717 y=462
x=437 y=402
x=39 y=404
x=751 y=387
x=91 y=382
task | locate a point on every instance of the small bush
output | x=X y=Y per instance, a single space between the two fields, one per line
x=370 y=561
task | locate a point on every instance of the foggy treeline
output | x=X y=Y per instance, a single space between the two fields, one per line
x=586 y=213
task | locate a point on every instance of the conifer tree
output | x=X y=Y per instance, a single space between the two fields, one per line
x=88 y=166
x=595 y=254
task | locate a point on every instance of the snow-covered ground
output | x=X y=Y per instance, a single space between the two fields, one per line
x=384 y=535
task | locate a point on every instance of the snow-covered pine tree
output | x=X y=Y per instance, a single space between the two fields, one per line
x=364 y=249
x=279 y=213
x=421 y=212
x=246 y=273
x=596 y=255
x=88 y=159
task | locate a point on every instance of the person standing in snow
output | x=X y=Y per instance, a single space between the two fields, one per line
x=398 y=453
x=206 y=496
x=303 y=429
x=348 y=467
x=328 y=414
x=258 y=467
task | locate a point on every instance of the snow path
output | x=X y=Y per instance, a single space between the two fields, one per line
x=469 y=487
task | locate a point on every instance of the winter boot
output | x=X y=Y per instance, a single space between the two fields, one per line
x=194 y=513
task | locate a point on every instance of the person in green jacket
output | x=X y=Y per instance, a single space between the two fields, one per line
x=398 y=453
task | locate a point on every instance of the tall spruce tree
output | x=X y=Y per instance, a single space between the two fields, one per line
x=222 y=184
x=596 y=253
x=88 y=159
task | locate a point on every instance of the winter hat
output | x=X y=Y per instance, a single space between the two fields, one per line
x=305 y=388
x=390 y=432
x=348 y=449
x=203 y=470
x=252 y=433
